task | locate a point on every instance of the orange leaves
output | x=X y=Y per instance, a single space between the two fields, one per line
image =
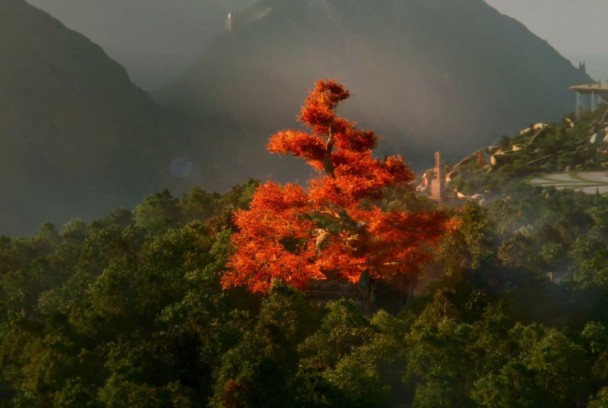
x=274 y=240
x=300 y=144
x=273 y=198
x=331 y=90
x=359 y=176
x=405 y=238
x=397 y=169
x=336 y=228
x=318 y=112
x=322 y=101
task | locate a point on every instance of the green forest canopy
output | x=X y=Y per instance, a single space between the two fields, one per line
x=128 y=311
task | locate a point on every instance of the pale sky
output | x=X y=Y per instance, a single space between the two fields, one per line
x=573 y=27
x=577 y=29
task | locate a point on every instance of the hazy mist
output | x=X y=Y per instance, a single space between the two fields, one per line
x=426 y=74
x=158 y=39
x=154 y=39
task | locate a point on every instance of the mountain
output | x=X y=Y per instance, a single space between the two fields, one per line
x=427 y=74
x=78 y=137
x=155 y=40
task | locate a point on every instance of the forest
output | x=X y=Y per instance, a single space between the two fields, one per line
x=203 y=299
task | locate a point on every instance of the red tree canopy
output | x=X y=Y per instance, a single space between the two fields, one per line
x=336 y=228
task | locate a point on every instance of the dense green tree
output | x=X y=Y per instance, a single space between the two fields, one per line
x=157 y=213
x=259 y=370
x=438 y=366
x=547 y=368
x=469 y=247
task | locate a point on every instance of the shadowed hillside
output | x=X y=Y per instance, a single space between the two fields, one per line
x=427 y=74
x=78 y=138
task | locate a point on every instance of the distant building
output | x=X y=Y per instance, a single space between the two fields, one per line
x=230 y=21
x=438 y=181
x=434 y=182
x=588 y=97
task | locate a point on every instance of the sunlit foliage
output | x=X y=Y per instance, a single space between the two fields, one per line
x=336 y=227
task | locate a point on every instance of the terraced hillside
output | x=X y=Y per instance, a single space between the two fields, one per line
x=571 y=154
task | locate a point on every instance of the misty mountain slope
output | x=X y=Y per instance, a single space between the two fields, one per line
x=428 y=74
x=156 y=40
x=78 y=138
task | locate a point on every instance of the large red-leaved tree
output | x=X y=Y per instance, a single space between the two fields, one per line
x=336 y=227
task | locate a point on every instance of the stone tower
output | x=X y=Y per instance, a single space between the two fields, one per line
x=230 y=21
x=438 y=181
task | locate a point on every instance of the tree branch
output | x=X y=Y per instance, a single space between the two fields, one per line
x=329 y=146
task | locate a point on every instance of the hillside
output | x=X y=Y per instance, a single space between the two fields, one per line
x=427 y=74
x=155 y=40
x=571 y=154
x=78 y=138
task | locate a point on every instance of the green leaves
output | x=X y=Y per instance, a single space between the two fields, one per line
x=546 y=368
x=110 y=313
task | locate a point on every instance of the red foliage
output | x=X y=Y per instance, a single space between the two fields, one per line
x=336 y=228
